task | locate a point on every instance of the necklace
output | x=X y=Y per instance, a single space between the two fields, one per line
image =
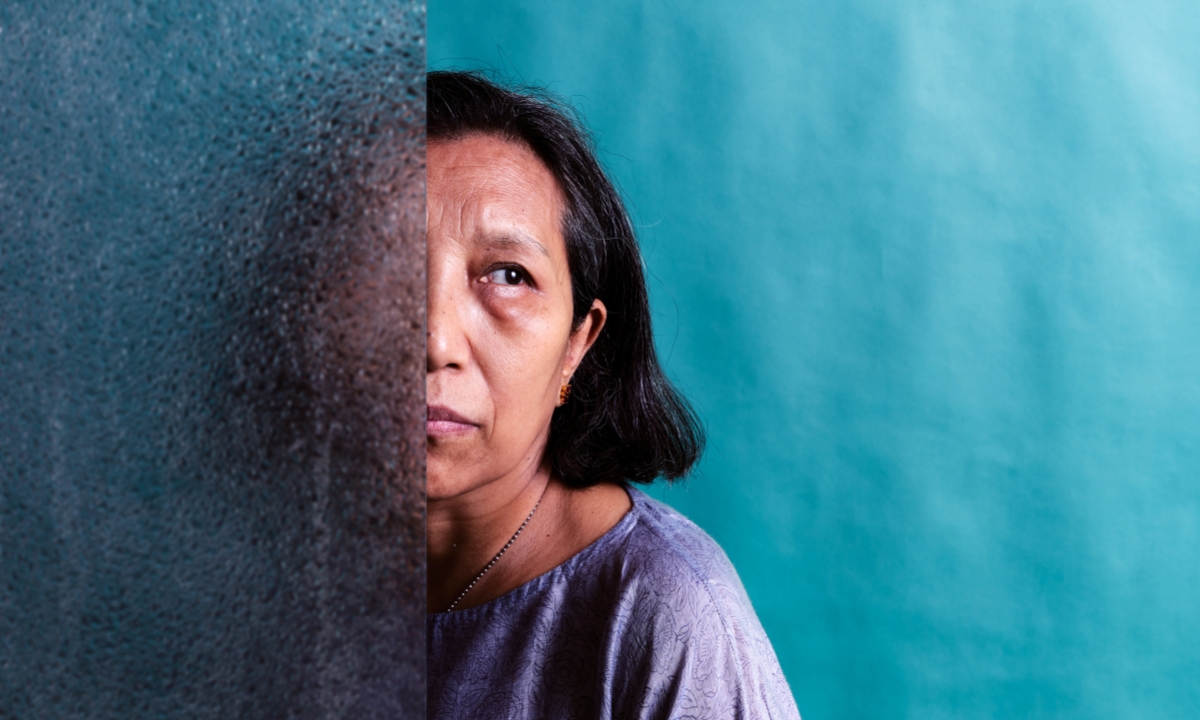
x=504 y=549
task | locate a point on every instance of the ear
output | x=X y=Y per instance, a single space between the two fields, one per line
x=583 y=338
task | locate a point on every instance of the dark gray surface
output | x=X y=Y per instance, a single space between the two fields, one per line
x=211 y=313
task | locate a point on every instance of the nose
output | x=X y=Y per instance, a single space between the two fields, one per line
x=446 y=344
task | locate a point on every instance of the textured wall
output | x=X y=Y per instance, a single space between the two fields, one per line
x=211 y=312
x=930 y=271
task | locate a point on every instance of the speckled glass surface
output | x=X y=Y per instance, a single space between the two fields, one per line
x=211 y=313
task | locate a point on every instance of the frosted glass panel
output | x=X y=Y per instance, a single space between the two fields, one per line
x=211 y=314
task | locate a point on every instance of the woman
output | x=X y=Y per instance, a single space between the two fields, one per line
x=554 y=588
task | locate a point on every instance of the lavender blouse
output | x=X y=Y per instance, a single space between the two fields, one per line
x=649 y=621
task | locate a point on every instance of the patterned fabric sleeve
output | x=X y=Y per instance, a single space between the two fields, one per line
x=688 y=644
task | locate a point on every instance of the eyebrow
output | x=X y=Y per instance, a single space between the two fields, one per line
x=518 y=239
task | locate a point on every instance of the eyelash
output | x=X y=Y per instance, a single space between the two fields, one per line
x=521 y=275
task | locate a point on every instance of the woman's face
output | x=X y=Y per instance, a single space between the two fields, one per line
x=500 y=343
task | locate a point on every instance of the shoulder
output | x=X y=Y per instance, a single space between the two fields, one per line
x=681 y=560
x=690 y=642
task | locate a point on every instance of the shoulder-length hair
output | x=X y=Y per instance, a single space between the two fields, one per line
x=623 y=420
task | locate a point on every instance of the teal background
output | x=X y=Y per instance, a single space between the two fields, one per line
x=929 y=271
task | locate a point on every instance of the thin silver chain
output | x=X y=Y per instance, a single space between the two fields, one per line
x=504 y=549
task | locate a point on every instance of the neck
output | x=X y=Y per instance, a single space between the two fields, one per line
x=464 y=533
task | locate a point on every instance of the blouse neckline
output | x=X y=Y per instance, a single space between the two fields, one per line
x=615 y=535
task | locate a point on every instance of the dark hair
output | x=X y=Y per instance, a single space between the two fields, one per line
x=624 y=420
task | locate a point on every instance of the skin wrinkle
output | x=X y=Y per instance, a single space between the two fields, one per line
x=520 y=240
x=497 y=355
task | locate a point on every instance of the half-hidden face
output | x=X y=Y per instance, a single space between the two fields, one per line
x=500 y=341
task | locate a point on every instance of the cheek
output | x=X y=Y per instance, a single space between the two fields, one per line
x=521 y=327
x=521 y=358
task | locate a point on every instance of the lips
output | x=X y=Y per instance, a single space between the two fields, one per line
x=441 y=421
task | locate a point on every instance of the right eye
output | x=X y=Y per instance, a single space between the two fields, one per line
x=506 y=276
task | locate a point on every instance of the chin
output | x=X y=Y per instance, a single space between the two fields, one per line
x=437 y=491
x=441 y=482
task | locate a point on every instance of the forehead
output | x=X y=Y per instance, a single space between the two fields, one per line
x=484 y=183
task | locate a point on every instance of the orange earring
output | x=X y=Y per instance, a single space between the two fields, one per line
x=564 y=393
